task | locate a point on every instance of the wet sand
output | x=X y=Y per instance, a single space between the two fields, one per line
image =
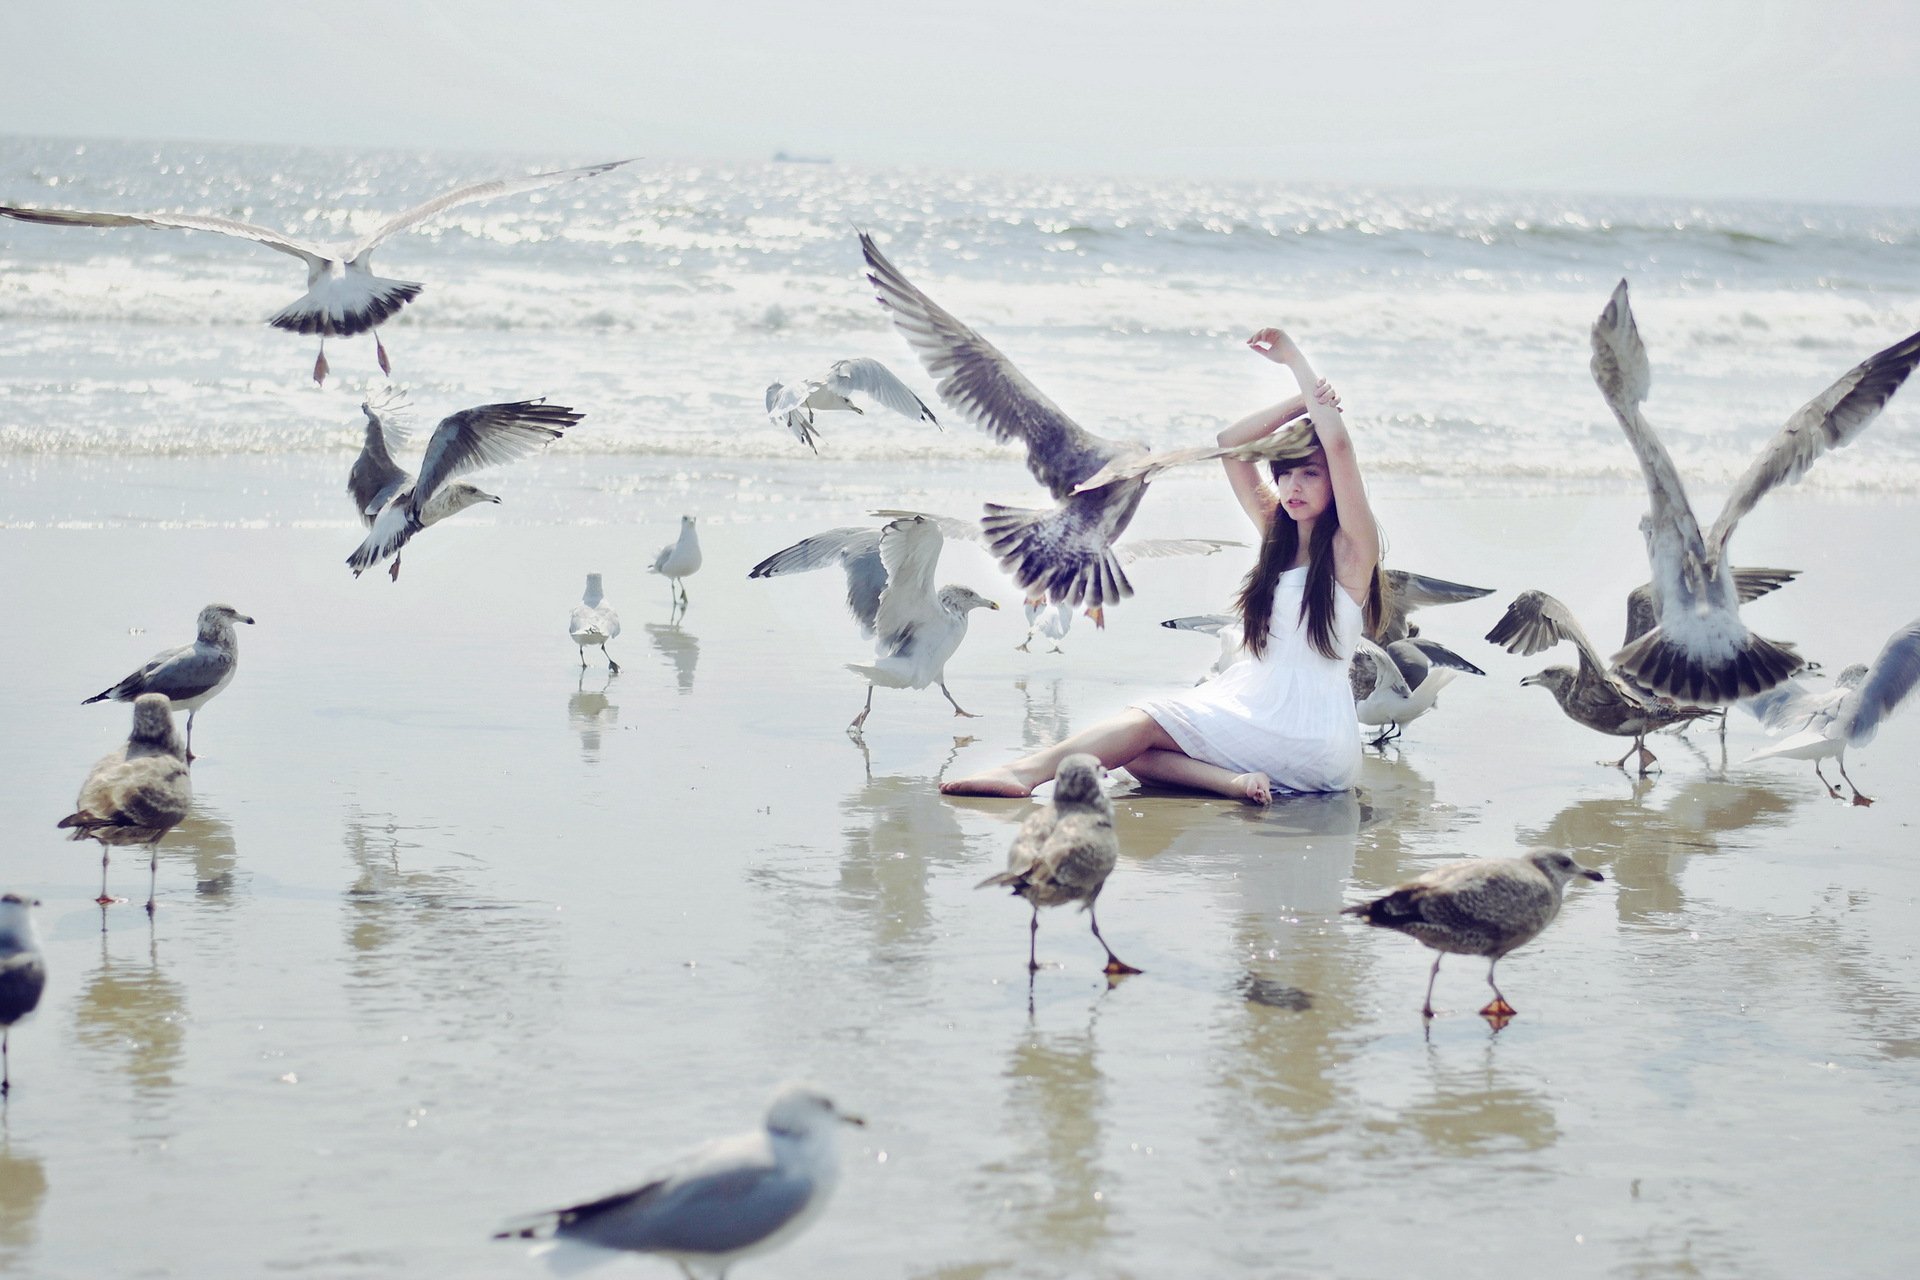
x=457 y=931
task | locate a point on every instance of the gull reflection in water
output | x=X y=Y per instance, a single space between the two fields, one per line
x=205 y=839
x=23 y=1189
x=1056 y=1097
x=132 y=1013
x=898 y=830
x=591 y=714
x=1044 y=721
x=679 y=647
x=1474 y=1108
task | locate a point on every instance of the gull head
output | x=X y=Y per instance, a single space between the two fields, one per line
x=216 y=618
x=956 y=599
x=1079 y=783
x=1559 y=867
x=460 y=495
x=686 y=522
x=801 y=1110
x=1557 y=681
x=1852 y=676
x=16 y=919
x=153 y=724
x=593 y=594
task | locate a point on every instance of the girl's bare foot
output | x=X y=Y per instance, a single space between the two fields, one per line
x=1257 y=788
x=993 y=782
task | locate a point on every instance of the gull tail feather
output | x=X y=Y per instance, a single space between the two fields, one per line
x=1666 y=667
x=389 y=533
x=1390 y=912
x=1029 y=545
x=345 y=305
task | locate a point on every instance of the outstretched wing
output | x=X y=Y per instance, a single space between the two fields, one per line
x=1437 y=654
x=375 y=477
x=910 y=551
x=1289 y=444
x=1536 y=621
x=949 y=526
x=313 y=255
x=866 y=376
x=1161 y=548
x=855 y=549
x=1418 y=591
x=1888 y=683
x=1829 y=420
x=984 y=386
x=487 y=436
x=467 y=195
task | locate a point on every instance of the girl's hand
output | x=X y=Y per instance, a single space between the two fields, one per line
x=1323 y=393
x=1275 y=345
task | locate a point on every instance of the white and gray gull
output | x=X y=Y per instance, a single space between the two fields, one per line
x=23 y=973
x=1700 y=650
x=343 y=295
x=594 y=622
x=678 y=561
x=191 y=674
x=484 y=436
x=136 y=793
x=792 y=405
x=728 y=1200
x=1477 y=907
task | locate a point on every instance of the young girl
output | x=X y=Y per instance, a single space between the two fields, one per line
x=1284 y=715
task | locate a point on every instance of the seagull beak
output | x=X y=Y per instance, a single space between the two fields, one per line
x=859 y=1121
x=244 y=618
x=1592 y=875
x=993 y=604
x=493 y=497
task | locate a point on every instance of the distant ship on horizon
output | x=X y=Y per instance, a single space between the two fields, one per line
x=787 y=157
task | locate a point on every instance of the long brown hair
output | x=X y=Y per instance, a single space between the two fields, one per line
x=1278 y=547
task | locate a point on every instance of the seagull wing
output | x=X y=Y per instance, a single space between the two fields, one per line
x=1205 y=623
x=1385 y=670
x=984 y=386
x=1792 y=706
x=1828 y=421
x=1536 y=621
x=1417 y=590
x=1888 y=683
x=910 y=551
x=487 y=436
x=866 y=376
x=375 y=476
x=1437 y=654
x=1289 y=444
x=949 y=526
x=857 y=550
x=1161 y=548
x=314 y=255
x=467 y=195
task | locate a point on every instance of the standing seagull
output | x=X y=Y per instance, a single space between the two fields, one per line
x=793 y=405
x=343 y=295
x=484 y=436
x=678 y=560
x=23 y=973
x=728 y=1200
x=1820 y=725
x=190 y=675
x=136 y=794
x=1700 y=650
x=594 y=622
x=1064 y=853
x=1477 y=907
x=1396 y=684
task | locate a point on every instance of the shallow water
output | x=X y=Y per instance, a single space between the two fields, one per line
x=459 y=931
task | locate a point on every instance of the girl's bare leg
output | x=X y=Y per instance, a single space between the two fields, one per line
x=1115 y=741
x=1178 y=769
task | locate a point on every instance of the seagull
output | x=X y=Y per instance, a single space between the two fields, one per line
x=1407 y=591
x=192 y=674
x=1818 y=725
x=376 y=479
x=1700 y=650
x=891 y=594
x=679 y=560
x=137 y=793
x=1066 y=552
x=23 y=973
x=793 y=405
x=1593 y=694
x=484 y=436
x=343 y=295
x=1064 y=853
x=730 y=1199
x=1477 y=907
x=1396 y=684
x=594 y=622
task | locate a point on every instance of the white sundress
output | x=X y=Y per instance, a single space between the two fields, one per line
x=1288 y=713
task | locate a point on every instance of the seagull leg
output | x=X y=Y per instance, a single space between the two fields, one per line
x=1646 y=757
x=612 y=666
x=1426 y=1010
x=6 y=1068
x=190 y=716
x=861 y=719
x=956 y=706
x=104 y=900
x=1831 y=789
x=1498 y=1006
x=380 y=351
x=153 y=874
x=1858 y=799
x=583 y=656
x=1033 y=939
x=393 y=570
x=1115 y=965
x=320 y=365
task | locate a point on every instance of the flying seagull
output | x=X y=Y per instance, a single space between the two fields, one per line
x=136 y=793
x=728 y=1200
x=1064 y=852
x=793 y=405
x=891 y=594
x=484 y=436
x=23 y=973
x=677 y=561
x=1477 y=907
x=1700 y=650
x=191 y=674
x=376 y=479
x=343 y=295
x=594 y=622
x=1815 y=725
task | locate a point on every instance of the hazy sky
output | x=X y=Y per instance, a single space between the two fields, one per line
x=1803 y=99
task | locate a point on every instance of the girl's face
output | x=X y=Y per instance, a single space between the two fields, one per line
x=1305 y=490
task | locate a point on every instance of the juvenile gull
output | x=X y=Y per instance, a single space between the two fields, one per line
x=1477 y=907
x=1700 y=650
x=484 y=436
x=343 y=295
x=137 y=793
x=594 y=622
x=191 y=674
x=1064 y=852
x=731 y=1199
x=891 y=594
x=23 y=973
x=1819 y=725
x=679 y=560
x=1396 y=684
x=1591 y=694
x=793 y=405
